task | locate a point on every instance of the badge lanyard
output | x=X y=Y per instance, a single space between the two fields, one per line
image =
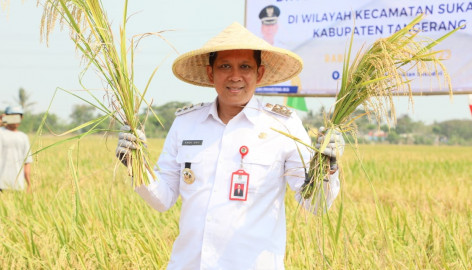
x=240 y=180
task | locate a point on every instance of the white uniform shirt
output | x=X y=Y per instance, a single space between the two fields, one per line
x=216 y=232
x=14 y=147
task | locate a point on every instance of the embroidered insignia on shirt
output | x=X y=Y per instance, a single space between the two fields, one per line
x=190 y=108
x=262 y=135
x=278 y=109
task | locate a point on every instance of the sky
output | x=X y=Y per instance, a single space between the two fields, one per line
x=41 y=69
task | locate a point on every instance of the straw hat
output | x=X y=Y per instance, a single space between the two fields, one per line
x=280 y=64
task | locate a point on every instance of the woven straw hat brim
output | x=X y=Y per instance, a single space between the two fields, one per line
x=280 y=64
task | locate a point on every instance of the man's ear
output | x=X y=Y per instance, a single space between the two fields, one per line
x=260 y=73
x=210 y=73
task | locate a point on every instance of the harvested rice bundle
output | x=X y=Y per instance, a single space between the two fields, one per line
x=92 y=34
x=375 y=76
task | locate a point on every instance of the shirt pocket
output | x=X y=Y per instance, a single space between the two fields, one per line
x=266 y=173
x=194 y=157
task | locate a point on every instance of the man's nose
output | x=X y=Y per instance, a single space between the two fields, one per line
x=236 y=75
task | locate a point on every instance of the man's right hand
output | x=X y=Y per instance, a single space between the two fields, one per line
x=126 y=143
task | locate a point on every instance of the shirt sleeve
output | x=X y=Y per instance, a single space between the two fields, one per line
x=162 y=193
x=297 y=162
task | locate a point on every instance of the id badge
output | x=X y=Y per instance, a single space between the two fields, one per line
x=239 y=186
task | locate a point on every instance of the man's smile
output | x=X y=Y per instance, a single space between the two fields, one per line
x=235 y=89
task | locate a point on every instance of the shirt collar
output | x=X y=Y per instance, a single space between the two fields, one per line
x=252 y=110
x=212 y=111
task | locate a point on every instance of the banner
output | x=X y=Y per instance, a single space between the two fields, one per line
x=319 y=31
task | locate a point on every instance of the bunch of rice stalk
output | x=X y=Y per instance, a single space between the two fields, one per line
x=375 y=76
x=91 y=32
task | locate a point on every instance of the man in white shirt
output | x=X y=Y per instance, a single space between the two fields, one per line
x=15 y=159
x=212 y=148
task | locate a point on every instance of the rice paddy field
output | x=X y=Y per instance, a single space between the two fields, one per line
x=401 y=207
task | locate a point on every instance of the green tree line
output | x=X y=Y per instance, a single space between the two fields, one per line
x=405 y=131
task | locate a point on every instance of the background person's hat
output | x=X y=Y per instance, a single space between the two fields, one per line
x=280 y=64
x=269 y=15
x=14 y=110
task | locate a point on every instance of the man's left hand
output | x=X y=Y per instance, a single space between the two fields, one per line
x=335 y=147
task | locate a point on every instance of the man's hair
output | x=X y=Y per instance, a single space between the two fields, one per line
x=257 y=57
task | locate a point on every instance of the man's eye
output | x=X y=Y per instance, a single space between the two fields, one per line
x=245 y=66
x=225 y=66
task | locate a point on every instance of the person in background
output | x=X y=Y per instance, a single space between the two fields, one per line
x=15 y=159
x=213 y=147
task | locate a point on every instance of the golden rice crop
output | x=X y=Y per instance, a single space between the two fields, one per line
x=373 y=78
x=92 y=219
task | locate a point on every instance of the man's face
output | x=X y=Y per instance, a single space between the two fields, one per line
x=235 y=75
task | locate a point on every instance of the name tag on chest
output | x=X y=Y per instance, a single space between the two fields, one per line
x=192 y=142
